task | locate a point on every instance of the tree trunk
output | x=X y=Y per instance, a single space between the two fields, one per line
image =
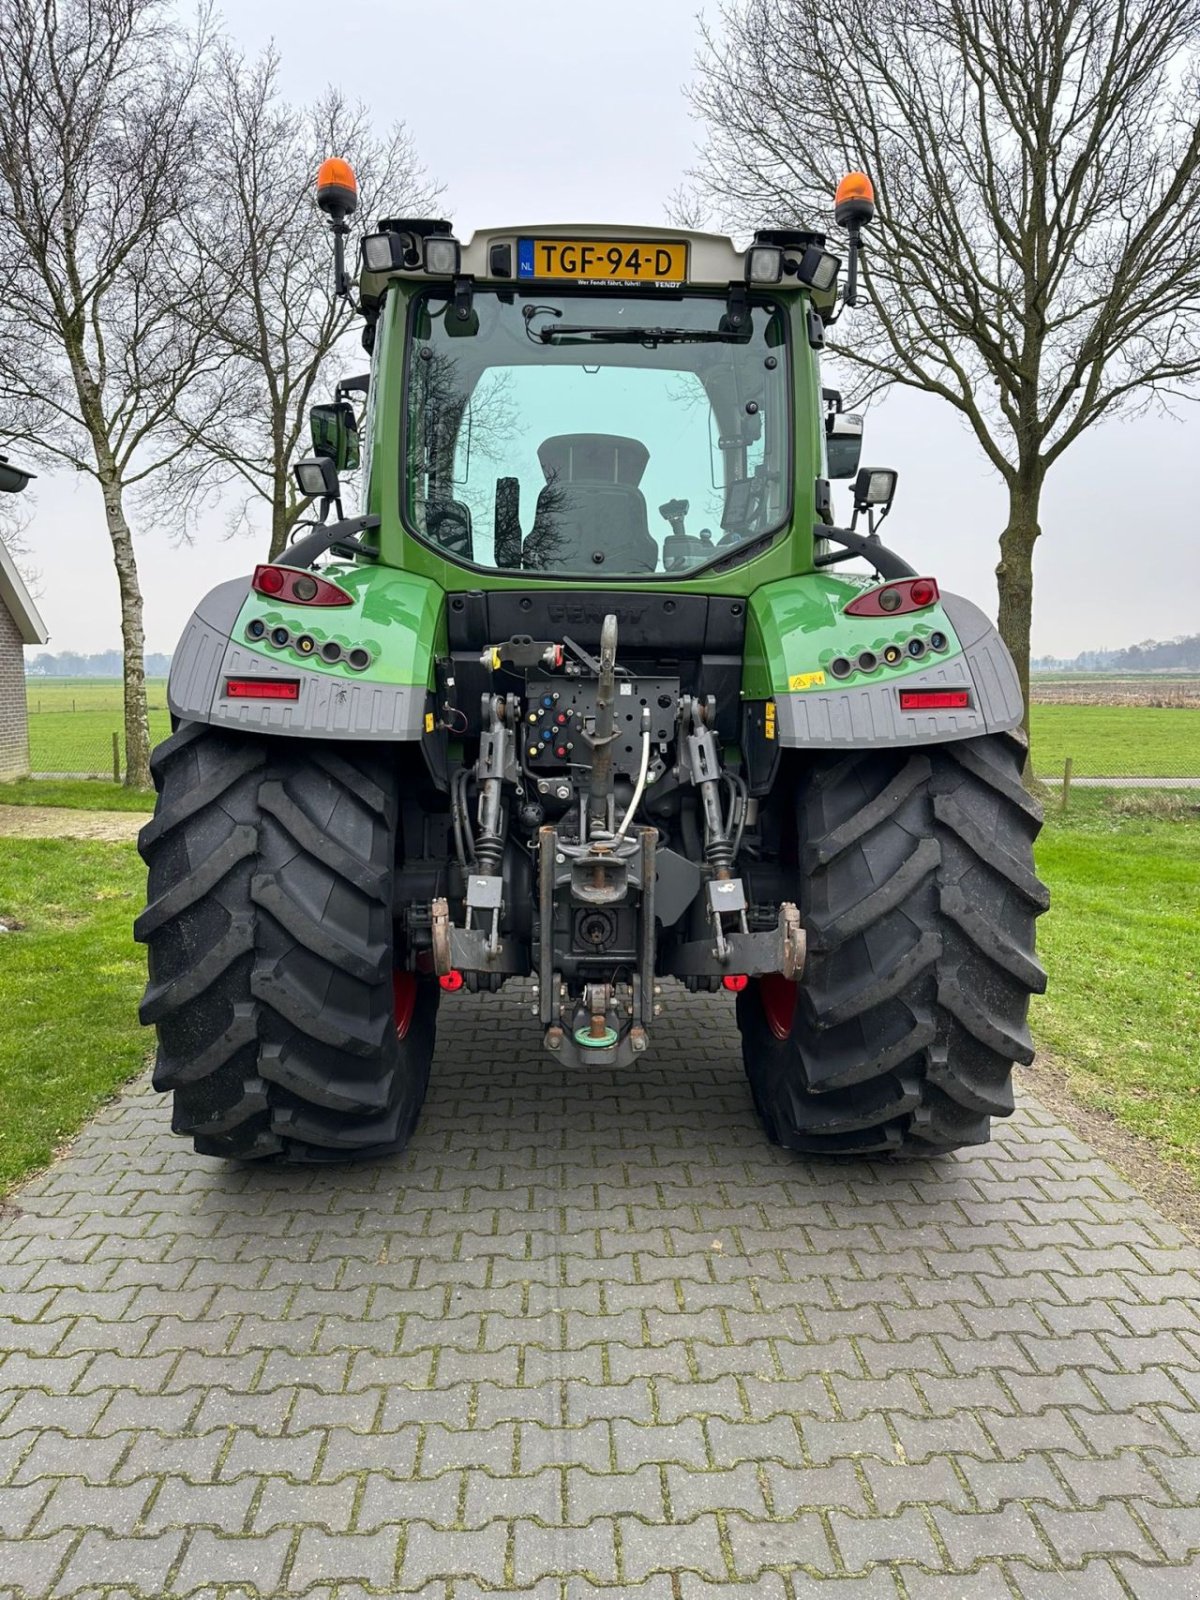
x=281 y=522
x=137 y=723
x=1014 y=575
x=280 y=526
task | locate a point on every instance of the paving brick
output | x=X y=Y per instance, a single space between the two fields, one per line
x=1095 y=1581
x=101 y=1559
x=867 y=1540
x=30 y=1564
x=75 y=1504
x=448 y=1448
x=19 y=1506
x=285 y=1504
x=1175 y=1528
x=988 y=1583
x=681 y=1442
x=896 y=1484
x=335 y=1557
x=689 y=1547
x=798 y=1542
x=431 y=1553
x=1160 y=1583
x=1075 y=1535
x=51 y=1454
x=774 y=1439
x=973 y=1536
x=256 y=1454
x=875 y=1585
x=213 y=1559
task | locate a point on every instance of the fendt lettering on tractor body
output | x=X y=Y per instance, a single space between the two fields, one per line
x=584 y=697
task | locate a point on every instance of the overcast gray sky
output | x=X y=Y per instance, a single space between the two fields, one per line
x=552 y=111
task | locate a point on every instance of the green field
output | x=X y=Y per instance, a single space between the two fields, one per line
x=72 y=721
x=1115 y=741
x=1121 y=943
x=71 y=979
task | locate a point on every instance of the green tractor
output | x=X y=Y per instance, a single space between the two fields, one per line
x=586 y=698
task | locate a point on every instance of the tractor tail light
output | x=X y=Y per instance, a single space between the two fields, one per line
x=298 y=588
x=262 y=688
x=935 y=699
x=894 y=599
x=735 y=981
x=451 y=981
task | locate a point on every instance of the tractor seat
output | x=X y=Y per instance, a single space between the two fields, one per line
x=591 y=513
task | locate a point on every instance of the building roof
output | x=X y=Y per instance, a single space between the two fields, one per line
x=19 y=601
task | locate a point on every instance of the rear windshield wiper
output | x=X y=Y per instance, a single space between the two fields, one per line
x=650 y=337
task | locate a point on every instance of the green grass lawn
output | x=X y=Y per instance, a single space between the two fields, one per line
x=1121 y=943
x=71 y=981
x=83 y=794
x=1115 y=741
x=72 y=721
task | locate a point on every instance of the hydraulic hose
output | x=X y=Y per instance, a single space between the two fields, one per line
x=640 y=786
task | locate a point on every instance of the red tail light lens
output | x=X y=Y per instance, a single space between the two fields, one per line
x=736 y=981
x=298 y=588
x=894 y=599
x=262 y=688
x=451 y=981
x=935 y=699
x=268 y=580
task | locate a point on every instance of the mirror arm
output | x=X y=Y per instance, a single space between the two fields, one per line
x=303 y=552
x=886 y=562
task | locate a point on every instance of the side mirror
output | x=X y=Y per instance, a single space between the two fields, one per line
x=843 y=443
x=874 y=489
x=334 y=430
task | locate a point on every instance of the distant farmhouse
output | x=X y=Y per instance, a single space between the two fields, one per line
x=20 y=625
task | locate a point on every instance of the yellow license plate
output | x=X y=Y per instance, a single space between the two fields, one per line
x=601 y=261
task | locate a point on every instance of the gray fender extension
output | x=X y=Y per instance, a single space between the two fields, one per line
x=328 y=707
x=869 y=715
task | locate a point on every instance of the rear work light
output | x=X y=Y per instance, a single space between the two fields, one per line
x=262 y=688
x=893 y=599
x=298 y=588
x=935 y=699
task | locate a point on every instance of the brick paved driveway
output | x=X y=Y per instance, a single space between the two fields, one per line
x=594 y=1335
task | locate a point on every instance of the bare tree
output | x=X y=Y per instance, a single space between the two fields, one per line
x=99 y=138
x=1036 y=256
x=282 y=328
x=15 y=517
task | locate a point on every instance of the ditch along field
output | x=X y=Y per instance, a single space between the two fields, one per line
x=1109 y=727
x=1118 y=1023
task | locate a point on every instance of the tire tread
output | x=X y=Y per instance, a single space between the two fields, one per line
x=270 y=943
x=919 y=897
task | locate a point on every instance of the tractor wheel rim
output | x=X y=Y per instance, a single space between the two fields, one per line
x=778 y=997
x=404 y=1000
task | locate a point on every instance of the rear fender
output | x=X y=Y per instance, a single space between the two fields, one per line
x=798 y=627
x=397 y=617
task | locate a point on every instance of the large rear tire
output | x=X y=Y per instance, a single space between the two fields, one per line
x=919 y=898
x=283 y=1029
